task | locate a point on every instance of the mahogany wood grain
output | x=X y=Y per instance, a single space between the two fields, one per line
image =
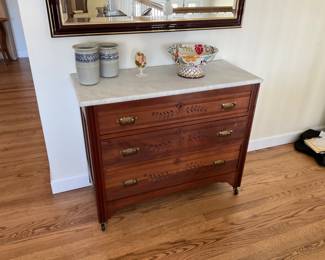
x=127 y=150
x=171 y=172
x=243 y=153
x=182 y=183
x=94 y=155
x=173 y=109
x=148 y=131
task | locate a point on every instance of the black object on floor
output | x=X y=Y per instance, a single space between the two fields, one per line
x=300 y=146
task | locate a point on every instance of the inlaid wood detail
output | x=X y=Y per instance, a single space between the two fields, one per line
x=164 y=146
x=164 y=115
x=158 y=176
x=169 y=114
x=196 y=109
x=192 y=168
x=161 y=112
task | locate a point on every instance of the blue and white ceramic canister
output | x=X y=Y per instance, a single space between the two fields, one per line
x=109 y=60
x=87 y=63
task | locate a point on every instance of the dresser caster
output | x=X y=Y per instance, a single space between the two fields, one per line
x=236 y=191
x=103 y=226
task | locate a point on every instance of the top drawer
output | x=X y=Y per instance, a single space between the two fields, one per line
x=222 y=104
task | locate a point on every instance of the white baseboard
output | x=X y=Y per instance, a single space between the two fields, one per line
x=77 y=182
x=276 y=140
x=70 y=183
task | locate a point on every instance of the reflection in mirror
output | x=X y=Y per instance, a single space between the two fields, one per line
x=133 y=11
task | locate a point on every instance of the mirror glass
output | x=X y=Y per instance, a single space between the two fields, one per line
x=141 y=11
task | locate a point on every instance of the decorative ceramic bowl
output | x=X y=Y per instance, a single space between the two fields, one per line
x=191 y=58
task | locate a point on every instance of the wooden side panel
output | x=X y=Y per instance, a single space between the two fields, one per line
x=94 y=152
x=244 y=148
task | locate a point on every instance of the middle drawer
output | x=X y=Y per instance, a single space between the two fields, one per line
x=127 y=150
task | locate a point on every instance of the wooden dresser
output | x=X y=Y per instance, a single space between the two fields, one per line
x=165 y=134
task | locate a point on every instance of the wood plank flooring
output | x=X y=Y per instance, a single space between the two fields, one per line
x=279 y=214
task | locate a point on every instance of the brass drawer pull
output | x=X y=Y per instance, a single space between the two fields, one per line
x=130 y=151
x=225 y=133
x=127 y=120
x=228 y=106
x=130 y=182
x=219 y=162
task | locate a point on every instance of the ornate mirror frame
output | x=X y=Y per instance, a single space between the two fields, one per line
x=58 y=29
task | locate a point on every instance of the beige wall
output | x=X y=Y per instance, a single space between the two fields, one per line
x=282 y=41
x=92 y=4
x=3 y=11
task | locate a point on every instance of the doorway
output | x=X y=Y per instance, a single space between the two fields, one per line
x=12 y=39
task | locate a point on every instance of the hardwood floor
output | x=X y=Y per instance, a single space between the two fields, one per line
x=279 y=214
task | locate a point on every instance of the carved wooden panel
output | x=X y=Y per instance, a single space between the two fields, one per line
x=167 y=110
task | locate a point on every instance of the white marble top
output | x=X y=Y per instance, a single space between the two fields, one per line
x=161 y=81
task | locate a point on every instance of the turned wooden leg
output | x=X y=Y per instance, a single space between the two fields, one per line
x=236 y=191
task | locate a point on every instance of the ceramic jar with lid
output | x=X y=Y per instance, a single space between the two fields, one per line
x=87 y=63
x=109 y=60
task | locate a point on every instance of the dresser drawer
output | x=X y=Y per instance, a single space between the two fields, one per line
x=128 y=150
x=222 y=104
x=171 y=172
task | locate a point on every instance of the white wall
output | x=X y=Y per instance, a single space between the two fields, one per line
x=17 y=28
x=281 y=41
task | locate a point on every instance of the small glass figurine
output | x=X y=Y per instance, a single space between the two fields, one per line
x=141 y=62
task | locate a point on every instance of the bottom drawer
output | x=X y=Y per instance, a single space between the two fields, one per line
x=167 y=173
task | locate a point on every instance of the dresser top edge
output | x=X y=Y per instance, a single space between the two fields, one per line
x=161 y=81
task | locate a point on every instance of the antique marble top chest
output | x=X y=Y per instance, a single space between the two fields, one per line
x=149 y=137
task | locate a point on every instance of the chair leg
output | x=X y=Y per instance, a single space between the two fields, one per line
x=6 y=55
x=3 y=56
x=8 y=58
x=3 y=45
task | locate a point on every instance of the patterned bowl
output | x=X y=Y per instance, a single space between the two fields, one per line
x=191 y=58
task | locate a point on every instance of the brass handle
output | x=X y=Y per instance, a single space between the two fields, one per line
x=225 y=133
x=219 y=162
x=130 y=151
x=127 y=120
x=228 y=106
x=130 y=182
